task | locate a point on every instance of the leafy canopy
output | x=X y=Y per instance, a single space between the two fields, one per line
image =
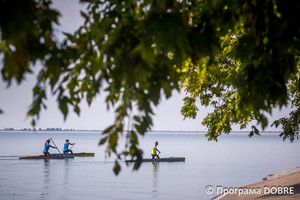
x=237 y=56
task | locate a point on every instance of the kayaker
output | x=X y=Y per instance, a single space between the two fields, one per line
x=47 y=146
x=66 y=147
x=154 y=151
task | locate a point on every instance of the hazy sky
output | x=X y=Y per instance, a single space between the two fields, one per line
x=15 y=100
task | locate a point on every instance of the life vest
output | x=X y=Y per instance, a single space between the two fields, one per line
x=66 y=146
x=154 y=150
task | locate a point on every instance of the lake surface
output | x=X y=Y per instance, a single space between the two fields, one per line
x=233 y=161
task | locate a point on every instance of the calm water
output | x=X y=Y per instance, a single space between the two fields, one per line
x=234 y=161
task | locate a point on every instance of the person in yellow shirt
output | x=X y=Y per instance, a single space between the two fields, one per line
x=154 y=151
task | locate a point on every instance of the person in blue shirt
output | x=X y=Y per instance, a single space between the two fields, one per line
x=47 y=146
x=66 y=147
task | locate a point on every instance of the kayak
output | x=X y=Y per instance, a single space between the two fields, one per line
x=78 y=154
x=170 y=159
x=47 y=157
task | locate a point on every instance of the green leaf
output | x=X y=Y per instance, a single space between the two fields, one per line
x=113 y=141
x=33 y=123
x=137 y=119
x=63 y=106
x=117 y=168
x=251 y=134
x=77 y=110
x=137 y=164
x=254 y=131
x=102 y=141
x=108 y=129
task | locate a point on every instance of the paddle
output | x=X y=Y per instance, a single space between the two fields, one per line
x=56 y=147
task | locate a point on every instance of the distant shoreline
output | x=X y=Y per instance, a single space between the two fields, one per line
x=154 y=131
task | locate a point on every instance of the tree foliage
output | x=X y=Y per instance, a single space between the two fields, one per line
x=290 y=125
x=26 y=35
x=249 y=74
x=236 y=56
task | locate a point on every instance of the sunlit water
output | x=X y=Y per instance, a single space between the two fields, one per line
x=235 y=160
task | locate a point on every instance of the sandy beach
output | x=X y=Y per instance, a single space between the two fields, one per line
x=282 y=185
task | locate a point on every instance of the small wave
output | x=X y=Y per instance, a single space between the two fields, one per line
x=8 y=156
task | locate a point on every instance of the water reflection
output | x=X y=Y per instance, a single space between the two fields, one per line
x=66 y=174
x=46 y=172
x=155 y=166
x=50 y=178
